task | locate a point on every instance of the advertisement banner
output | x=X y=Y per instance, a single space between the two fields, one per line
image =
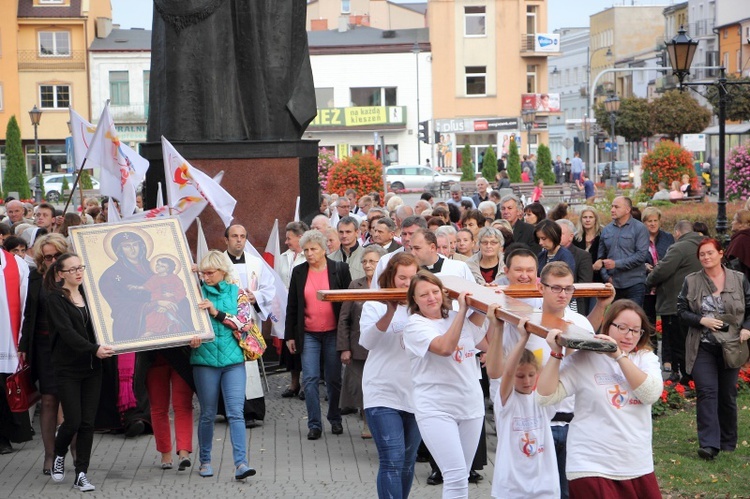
x=694 y=142
x=546 y=42
x=541 y=103
x=360 y=116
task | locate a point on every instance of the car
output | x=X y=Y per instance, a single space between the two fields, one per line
x=412 y=177
x=53 y=183
x=621 y=173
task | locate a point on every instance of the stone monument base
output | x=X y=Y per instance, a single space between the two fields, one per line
x=264 y=177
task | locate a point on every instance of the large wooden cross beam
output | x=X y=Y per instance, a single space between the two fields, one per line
x=511 y=309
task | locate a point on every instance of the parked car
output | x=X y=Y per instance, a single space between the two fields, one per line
x=621 y=173
x=412 y=177
x=53 y=183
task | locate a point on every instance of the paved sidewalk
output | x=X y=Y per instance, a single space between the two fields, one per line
x=288 y=464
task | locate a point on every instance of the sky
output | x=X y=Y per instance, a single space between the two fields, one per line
x=562 y=13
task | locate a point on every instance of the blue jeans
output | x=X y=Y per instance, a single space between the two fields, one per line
x=397 y=438
x=231 y=381
x=560 y=436
x=636 y=293
x=315 y=343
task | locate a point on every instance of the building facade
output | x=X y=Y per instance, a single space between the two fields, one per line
x=382 y=14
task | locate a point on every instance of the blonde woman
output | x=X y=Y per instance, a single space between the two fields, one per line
x=588 y=231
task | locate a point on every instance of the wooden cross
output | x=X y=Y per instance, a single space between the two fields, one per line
x=510 y=310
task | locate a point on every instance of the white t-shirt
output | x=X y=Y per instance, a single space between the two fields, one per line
x=611 y=432
x=526 y=464
x=386 y=380
x=444 y=385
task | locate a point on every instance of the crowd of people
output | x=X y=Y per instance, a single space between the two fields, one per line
x=417 y=371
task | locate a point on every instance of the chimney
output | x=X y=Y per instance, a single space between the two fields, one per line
x=103 y=27
x=318 y=24
x=343 y=24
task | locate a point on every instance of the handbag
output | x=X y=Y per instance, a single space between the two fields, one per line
x=20 y=391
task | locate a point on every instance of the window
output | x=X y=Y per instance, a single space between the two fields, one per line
x=54 y=158
x=474 y=21
x=531 y=78
x=146 y=91
x=54 y=44
x=51 y=1
x=54 y=96
x=739 y=64
x=119 y=88
x=324 y=97
x=476 y=79
x=531 y=19
x=373 y=96
x=346 y=7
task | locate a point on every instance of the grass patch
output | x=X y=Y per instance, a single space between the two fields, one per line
x=679 y=470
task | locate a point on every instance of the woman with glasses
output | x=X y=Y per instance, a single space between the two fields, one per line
x=34 y=346
x=715 y=303
x=219 y=365
x=487 y=265
x=76 y=359
x=614 y=393
x=549 y=235
x=353 y=355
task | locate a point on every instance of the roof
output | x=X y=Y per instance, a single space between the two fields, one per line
x=420 y=7
x=364 y=36
x=123 y=40
x=731 y=129
x=26 y=8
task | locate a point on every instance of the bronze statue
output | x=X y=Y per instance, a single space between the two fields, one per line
x=230 y=70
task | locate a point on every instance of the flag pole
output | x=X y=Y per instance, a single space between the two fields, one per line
x=73 y=190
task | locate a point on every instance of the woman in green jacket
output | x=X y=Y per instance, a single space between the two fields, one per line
x=219 y=365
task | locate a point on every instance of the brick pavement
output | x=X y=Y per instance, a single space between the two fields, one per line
x=288 y=464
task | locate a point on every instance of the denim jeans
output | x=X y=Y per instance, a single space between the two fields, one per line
x=637 y=292
x=315 y=343
x=397 y=438
x=231 y=381
x=560 y=436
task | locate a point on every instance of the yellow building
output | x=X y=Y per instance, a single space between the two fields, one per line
x=489 y=61
x=44 y=63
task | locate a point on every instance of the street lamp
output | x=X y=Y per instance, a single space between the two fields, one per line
x=414 y=50
x=36 y=116
x=681 y=50
x=612 y=105
x=590 y=57
x=529 y=117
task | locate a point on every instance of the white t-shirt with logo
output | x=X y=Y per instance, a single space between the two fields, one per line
x=444 y=385
x=386 y=380
x=526 y=464
x=611 y=431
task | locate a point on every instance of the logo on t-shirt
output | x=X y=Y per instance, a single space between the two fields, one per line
x=528 y=445
x=617 y=396
x=458 y=355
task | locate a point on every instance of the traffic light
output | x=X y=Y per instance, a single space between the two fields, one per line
x=424 y=134
x=436 y=137
x=663 y=61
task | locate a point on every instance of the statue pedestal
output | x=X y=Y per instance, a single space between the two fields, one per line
x=265 y=177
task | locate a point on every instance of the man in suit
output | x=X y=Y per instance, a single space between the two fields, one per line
x=382 y=232
x=511 y=210
x=584 y=264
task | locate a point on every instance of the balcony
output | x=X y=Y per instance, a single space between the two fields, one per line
x=30 y=60
x=133 y=113
x=528 y=47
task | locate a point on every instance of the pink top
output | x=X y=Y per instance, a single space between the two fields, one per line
x=537 y=194
x=319 y=316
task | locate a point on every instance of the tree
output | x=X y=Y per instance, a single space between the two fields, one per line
x=15 y=179
x=85 y=180
x=489 y=165
x=632 y=121
x=676 y=112
x=666 y=163
x=467 y=166
x=738 y=99
x=514 y=162
x=544 y=165
x=361 y=172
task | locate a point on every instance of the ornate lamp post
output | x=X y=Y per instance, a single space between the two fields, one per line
x=528 y=117
x=36 y=116
x=612 y=105
x=681 y=50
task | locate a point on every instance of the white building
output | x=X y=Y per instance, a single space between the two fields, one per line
x=366 y=88
x=120 y=67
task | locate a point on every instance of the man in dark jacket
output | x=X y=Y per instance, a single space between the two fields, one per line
x=511 y=210
x=667 y=276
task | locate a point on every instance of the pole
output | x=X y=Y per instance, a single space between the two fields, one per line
x=721 y=215
x=37 y=167
x=73 y=190
x=528 y=138
x=612 y=143
x=419 y=145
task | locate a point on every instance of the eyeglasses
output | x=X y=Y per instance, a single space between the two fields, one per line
x=369 y=262
x=637 y=333
x=49 y=258
x=74 y=270
x=569 y=290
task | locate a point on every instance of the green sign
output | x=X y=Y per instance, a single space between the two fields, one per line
x=355 y=117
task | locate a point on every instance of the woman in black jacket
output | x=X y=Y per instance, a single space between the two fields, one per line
x=76 y=362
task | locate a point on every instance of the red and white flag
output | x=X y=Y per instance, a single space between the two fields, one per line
x=121 y=171
x=187 y=186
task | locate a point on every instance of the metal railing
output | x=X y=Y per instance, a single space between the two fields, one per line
x=31 y=59
x=132 y=113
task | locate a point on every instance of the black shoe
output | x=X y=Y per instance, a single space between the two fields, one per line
x=475 y=477
x=708 y=453
x=301 y=395
x=5 y=447
x=674 y=377
x=337 y=428
x=345 y=411
x=135 y=428
x=435 y=478
x=251 y=423
x=314 y=434
x=289 y=393
x=685 y=380
x=422 y=459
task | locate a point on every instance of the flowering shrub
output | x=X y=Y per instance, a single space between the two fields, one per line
x=738 y=173
x=675 y=396
x=658 y=327
x=743 y=381
x=326 y=160
x=666 y=163
x=361 y=172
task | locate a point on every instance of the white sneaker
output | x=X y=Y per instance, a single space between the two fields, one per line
x=82 y=483
x=58 y=469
